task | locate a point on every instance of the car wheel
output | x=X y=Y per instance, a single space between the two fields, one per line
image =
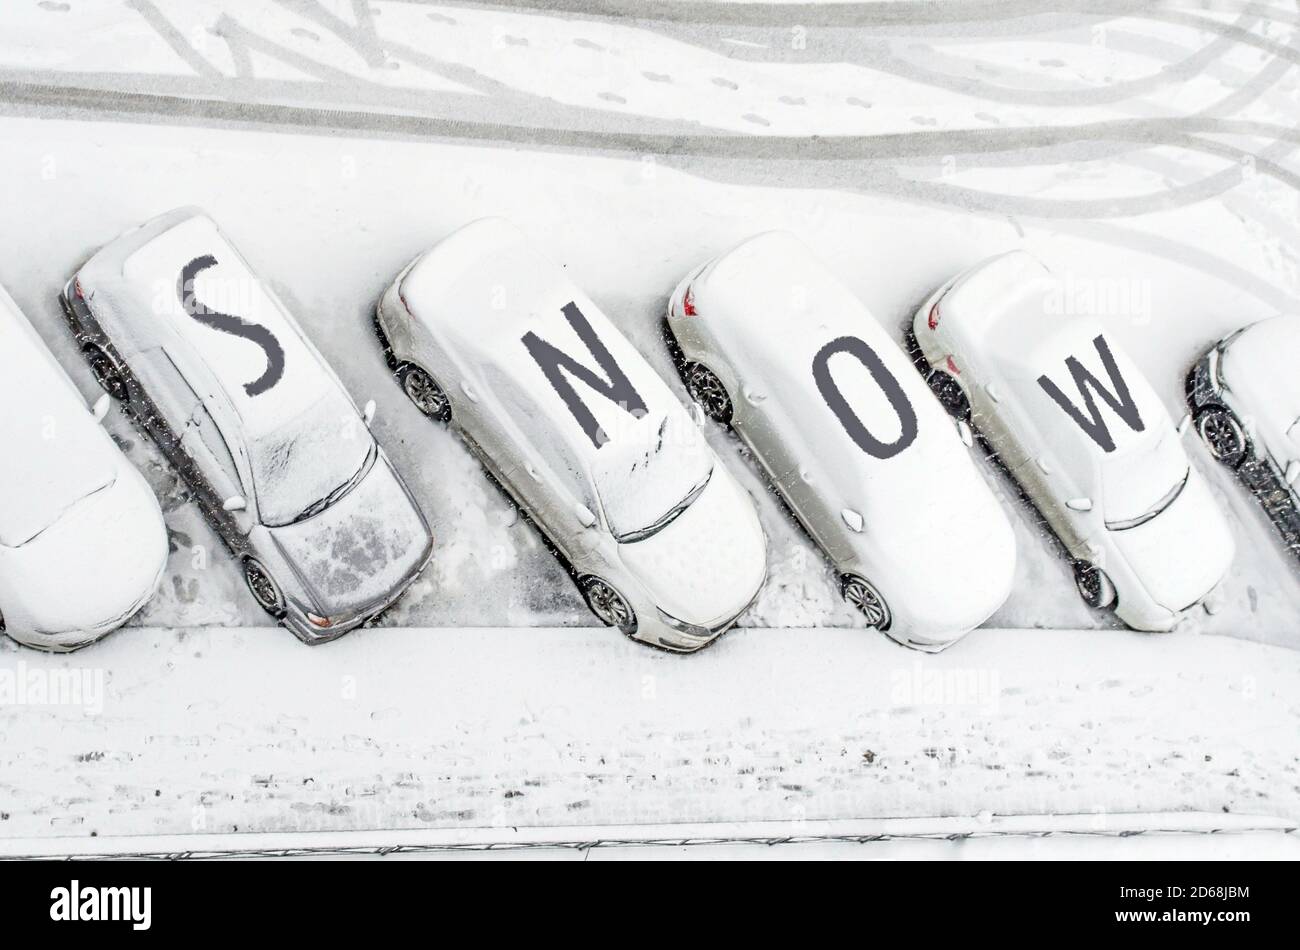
x=1223 y=436
x=864 y=598
x=106 y=372
x=707 y=390
x=609 y=606
x=1094 y=586
x=949 y=393
x=427 y=395
x=263 y=588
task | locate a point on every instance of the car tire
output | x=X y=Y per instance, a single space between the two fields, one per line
x=263 y=588
x=107 y=373
x=1223 y=436
x=610 y=607
x=862 y=596
x=1094 y=586
x=950 y=393
x=423 y=390
x=706 y=389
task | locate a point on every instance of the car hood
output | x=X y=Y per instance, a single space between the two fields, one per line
x=708 y=564
x=95 y=566
x=944 y=565
x=1183 y=552
x=362 y=549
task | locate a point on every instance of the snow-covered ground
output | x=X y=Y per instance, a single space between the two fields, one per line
x=245 y=731
x=1146 y=157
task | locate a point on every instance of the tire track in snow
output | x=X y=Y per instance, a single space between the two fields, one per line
x=867 y=13
x=1140 y=132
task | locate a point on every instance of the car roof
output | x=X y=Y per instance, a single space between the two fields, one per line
x=480 y=291
x=769 y=307
x=135 y=284
x=56 y=454
x=1004 y=310
x=775 y=280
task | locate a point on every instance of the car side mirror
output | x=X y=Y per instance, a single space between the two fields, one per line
x=585 y=515
x=101 y=407
x=368 y=414
x=235 y=503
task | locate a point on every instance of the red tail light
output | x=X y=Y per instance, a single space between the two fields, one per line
x=952 y=367
x=934 y=317
x=76 y=286
x=688 y=302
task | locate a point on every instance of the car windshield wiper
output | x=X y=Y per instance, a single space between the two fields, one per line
x=650 y=531
x=316 y=507
x=1161 y=505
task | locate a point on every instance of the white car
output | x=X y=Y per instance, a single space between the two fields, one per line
x=487 y=335
x=209 y=362
x=1245 y=399
x=772 y=344
x=1080 y=429
x=82 y=540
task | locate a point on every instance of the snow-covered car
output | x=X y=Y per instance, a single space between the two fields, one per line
x=1078 y=427
x=208 y=361
x=82 y=539
x=1245 y=399
x=487 y=335
x=771 y=343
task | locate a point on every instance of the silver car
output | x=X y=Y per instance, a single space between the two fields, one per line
x=488 y=336
x=210 y=363
x=1245 y=397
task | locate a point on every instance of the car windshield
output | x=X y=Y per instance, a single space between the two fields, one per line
x=650 y=473
x=302 y=468
x=1121 y=519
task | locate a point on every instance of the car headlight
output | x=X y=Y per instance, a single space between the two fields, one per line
x=689 y=629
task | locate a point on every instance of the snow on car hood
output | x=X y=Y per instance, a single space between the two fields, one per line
x=95 y=566
x=360 y=550
x=709 y=562
x=1184 y=551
